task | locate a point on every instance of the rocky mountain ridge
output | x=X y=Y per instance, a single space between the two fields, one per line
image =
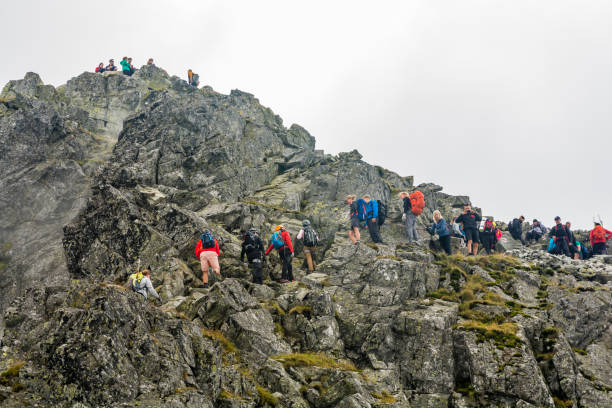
x=108 y=170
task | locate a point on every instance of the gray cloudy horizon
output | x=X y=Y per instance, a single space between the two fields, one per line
x=507 y=102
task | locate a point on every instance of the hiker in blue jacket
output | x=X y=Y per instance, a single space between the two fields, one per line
x=372 y=219
x=439 y=227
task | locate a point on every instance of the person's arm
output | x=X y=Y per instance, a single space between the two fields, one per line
x=242 y=252
x=477 y=217
x=151 y=289
x=608 y=234
x=407 y=205
x=591 y=237
x=300 y=234
x=287 y=240
x=269 y=249
x=432 y=229
x=459 y=219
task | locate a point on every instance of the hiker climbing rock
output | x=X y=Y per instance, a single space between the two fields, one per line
x=488 y=236
x=413 y=207
x=470 y=221
x=100 y=68
x=372 y=218
x=357 y=214
x=253 y=248
x=140 y=282
x=207 y=251
x=111 y=65
x=599 y=237
x=193 y=79
x=281 y=241
x=560 y=236
x=440 y=228
x=515 y=227
x=536 y=232
x=310 y=238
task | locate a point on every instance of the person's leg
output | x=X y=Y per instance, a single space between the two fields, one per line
x=204 y=265
x=373 y=227
x=213 y=260
x=257 y=272
x=414 y=236
x=445 y=242
x=281 y=255
x=351 y=235
x=469 y=246
x=564 y=247
x=407 y=226
x=308 y=255
x=289 y=265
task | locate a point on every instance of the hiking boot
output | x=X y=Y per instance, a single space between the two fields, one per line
x=357 y=242
x=284 y=281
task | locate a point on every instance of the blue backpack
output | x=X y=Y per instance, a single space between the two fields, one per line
x=208 y=241
x=277 y=240
x=361 y=209
x=551 y=245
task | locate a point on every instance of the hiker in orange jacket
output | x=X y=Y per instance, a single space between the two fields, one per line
x=599 y=237
x=281 y=240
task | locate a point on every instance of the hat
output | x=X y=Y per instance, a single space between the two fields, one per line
x=279 y=227
x=535 y=220
x=305 y=223
x=557 y=218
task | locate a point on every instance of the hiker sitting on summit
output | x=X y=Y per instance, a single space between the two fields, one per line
x=599 y=236
x=560 y=236
x=111 y=65
x=439 y=227
x=100 y=68
x=470 y=220
x=310 y=239
x=140 y=282
x=537 y=231
x=357 y=213
x=372 y=218
x=207 y=251
x=281 y=241
x=253 y=248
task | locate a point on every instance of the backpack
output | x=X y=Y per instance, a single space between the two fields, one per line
x=195 y=79
x=599 y=235
x=250 y=240
x=277 y=240
x=382 y=212
x=136 y=279
x=551 y=245
x=310 y=237
x=361 y=209
x=208 y=241
x=417 y=200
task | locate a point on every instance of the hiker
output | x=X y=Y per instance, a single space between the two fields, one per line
x=357 y=214
x=125 y=66
x=281 y=241
x=207 y=251
x=193 y=78
x=571 y=241
x=310 y=239
x=488 y=236
x=439 y=227
x=132 y=69
x=111 y=65
x=536 y=232
x=470 y=221
x=150 y=62
x=515 y=227
x=100 y=68
x=561 y=238
x=140 y=282
x=413 y=207
x=371 y=218
x=599 y=236
x=253 y=248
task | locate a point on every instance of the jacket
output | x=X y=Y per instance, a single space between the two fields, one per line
x=286 y=239
x=252 y=251
x=606 y=235
x=200 y=249
x=438 y=228
x=125 y=65
x=408 y=207
x=559 y=231
x=145 y=288
x=516 y=226
x=372 y=209
x=469 y=220
x=538 y=229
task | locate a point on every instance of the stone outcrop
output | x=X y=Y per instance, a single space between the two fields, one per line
x=109 y=170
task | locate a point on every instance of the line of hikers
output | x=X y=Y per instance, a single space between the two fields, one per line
x=372 y=214
x=128 y=69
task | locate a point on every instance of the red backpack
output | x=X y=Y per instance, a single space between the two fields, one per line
x=417 y=200
x=599 y=234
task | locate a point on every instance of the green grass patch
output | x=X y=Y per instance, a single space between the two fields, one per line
x=301 y=309
x=217 y=335
x=11 y=373
x=503 y=335
x=314 y=360
x=226 y=395
x=580 y=351
x=385 y=397
x=266 y=396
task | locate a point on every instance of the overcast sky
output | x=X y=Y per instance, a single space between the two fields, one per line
x=508 y=102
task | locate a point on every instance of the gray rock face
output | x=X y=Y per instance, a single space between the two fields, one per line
x=109 y=170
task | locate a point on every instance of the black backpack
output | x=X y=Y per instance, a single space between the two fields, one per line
x=250 y=241
x=310 y=237
x=382 y=212
x=208 y=241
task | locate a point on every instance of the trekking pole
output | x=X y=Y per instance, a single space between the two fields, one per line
x=138 y=266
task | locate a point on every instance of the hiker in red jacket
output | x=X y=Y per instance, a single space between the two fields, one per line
x=281 y=240
x=207 y=251
x=599 y=237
